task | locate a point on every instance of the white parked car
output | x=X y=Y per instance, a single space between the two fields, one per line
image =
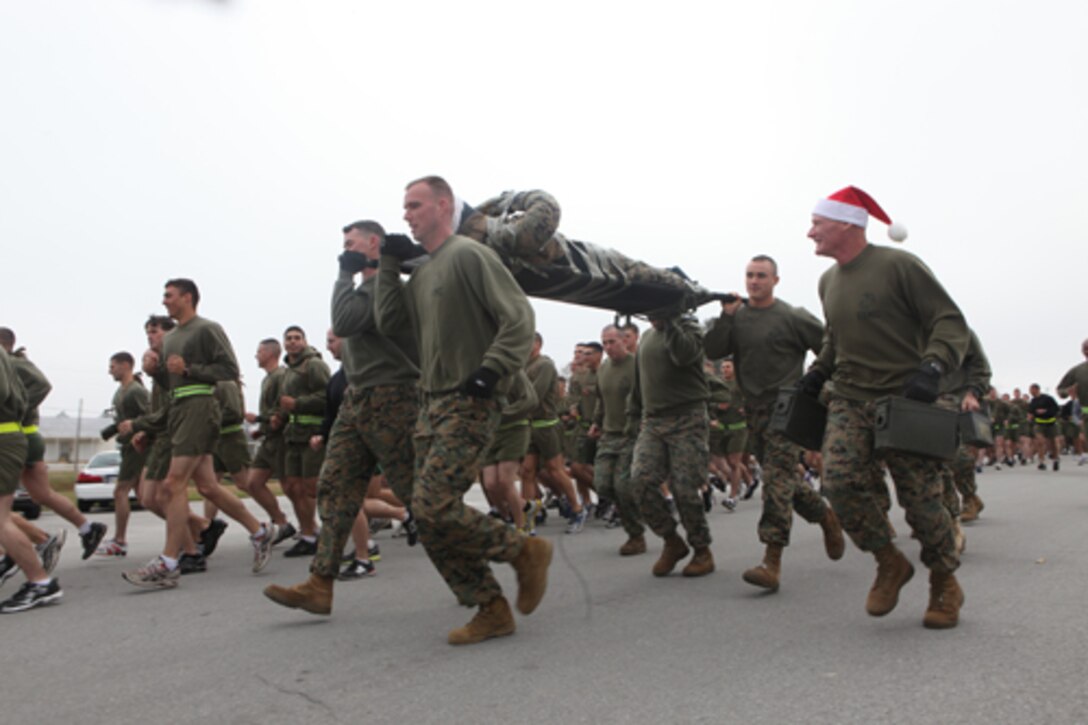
x=95 y=482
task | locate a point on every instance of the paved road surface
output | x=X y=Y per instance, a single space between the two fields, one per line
x=610 y=643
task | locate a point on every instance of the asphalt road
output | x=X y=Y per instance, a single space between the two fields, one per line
x=610 y=643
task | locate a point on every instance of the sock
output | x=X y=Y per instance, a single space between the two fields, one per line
x=85 y=528
x=42 y=583
x=370 y=543
x=309 y=539
x=171 y=564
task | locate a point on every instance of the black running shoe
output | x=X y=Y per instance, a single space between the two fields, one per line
x=209 y=537
x=411 y=528
x=92 y=539
x=8 y=568
x=192 y=564
x=286 y=532
x=302 y=548
x=1056 y=464
x=374 y=552
x=357 y=570
x=751 y=489
x=32 y=595
x=708 y=500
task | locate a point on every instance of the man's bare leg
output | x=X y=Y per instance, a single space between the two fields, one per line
x=256 y=485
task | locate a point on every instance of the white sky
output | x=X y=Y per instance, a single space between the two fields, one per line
x=230 y=141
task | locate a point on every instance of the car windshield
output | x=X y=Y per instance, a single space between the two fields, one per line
x=105 y=459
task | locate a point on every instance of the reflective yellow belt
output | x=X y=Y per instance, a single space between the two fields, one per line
x=736 y=426
x=307 y=419
x=230 y=429
x=514 y=424
x=187 y=391
x=1045 y=421
x=10 y=428
x=1084 y=410
x=545 y=423
x=30 y=430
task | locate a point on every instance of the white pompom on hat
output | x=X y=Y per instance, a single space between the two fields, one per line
x=853 y=206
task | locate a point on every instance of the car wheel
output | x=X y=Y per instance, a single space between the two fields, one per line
x=84 y=505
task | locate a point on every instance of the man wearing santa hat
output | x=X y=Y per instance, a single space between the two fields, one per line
x=892 y=329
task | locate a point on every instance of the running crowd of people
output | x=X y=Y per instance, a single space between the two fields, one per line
x=443 y=384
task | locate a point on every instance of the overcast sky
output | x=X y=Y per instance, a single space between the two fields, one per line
x=229 y=141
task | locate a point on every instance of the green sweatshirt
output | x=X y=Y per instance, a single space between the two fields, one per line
x=270 y=401
x=886 y=313
x=582 y=392
x=728 y=393
x=206 y=350
x=545 y=378
x=154 y=421
x=129 y=402
x=466 y=311
x=12 y=394
x=614 y=383
x=520 y=400
x=372 y=358
x=35 y=384
x=305 y=380
x=768 y=345
x=1076 y=376
x=232 y=409
x=669 y=371
x=974 y=374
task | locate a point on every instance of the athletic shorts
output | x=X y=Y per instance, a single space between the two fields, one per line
x=546 y=442
x=270 y=455
x=729 y=442
x=585 y=449
x=132 y=463
x=231 y=453
x=12 y=461
x=35 y=449
x=301 y=461
x=1049 y=431
x=194 y=425
x=510 y=444
x=1070 y=430
x=157 y=464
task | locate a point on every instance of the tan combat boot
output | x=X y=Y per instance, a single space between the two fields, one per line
x=493 y=619
x=674 y=551
x=834 y=543
x=893 y=570
x=701 y=564
x=972 y=507
x=531 y=565
x=766 y=574
x=959 y=536
x=634 y=546
x=313 y=595
x=945 y=600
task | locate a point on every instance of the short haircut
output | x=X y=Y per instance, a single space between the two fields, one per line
x=538 y=337
x=163 y=322
x=271 y=342
x=630 y=327
x=437 y=184
x=294 y=328
x=611 y=327
x=7 y=337
x=185 y=286
x=767 y=258
x=595 y=346
x=122 y=357
x=366 y=227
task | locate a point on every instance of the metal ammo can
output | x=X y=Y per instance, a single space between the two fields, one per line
x=800 y=418
x=976 y=429
x=910 y=426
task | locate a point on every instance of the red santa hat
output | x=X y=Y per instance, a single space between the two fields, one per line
x=853 y=206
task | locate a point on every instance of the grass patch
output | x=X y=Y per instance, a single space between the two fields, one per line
x=63 y=481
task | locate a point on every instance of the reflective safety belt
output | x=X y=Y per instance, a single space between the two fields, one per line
x=737 y=426
x=545 y=423
x=1045 y=421
x=10 y=428
x=514 y=424
x=187 y=391
x=307 y=419
x=30 y=430
x=230 y=429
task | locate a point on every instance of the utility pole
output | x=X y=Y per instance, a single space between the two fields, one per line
x=79 y=431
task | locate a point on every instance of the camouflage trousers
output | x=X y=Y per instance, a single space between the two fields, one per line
x=451 y=435
x=612 y=479
x=784 y=488
x=672 y=448
x=849 y=464
x=372 y=427
x=957 y=475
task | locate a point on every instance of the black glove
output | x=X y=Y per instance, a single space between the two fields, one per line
x=401 y=247
x=481 y=384
x=353 y=262
x=108 y=432
x=812 y=382
x=925 y=384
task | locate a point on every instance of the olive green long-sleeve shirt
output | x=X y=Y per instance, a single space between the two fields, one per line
x=305 y=379
x=232 y=409
x=669 y=371
x=520 y=399
x=466 y=311
x=768 y=345
x=1078 y=376
x=974 y=374
x=129 y=403
x=545 y=378
x=12 y=394
x=614 y=383
x=270 y=401
x=36 y=385
x=206 y=350
x=886 y=313
x=372 y=358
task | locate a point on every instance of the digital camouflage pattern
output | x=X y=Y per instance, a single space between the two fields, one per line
x=672 y=448
x=373 y=427
x=784 y=489
x=612 y=479
x=849 y=483
x=451 y=433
